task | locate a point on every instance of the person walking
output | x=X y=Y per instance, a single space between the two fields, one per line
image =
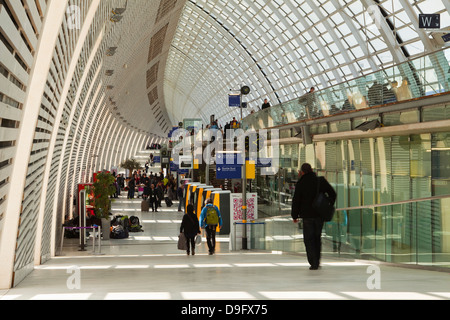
x=210 y=218
x=304 y=195
x=159 y=193
x=153 y=198
x=180 y=195
x=190 y=227
x=131 y=188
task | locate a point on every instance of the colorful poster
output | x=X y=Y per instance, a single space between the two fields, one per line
x=252 y=206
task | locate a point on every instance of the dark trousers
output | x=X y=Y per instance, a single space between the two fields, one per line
x=180 y=203
x=154 y=204
x=190 y=243
x=312 y=231
x=211 y=238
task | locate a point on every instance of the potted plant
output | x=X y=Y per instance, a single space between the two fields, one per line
x=101 y=191
x=130 y=165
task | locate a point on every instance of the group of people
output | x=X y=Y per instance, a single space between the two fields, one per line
x=377 y=94
x=306 y=190
x=158 y=187
x=155 y=187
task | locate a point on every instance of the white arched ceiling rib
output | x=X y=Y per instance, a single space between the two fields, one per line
x=120 y=145
x=415 y=21
x=132 y=144
x=44 y=53
x=130 y=62
x=335 y=38
x=137 y=145
x=266 y=79
x=243 y=37
x=105 y=131
x=78 y=123
x=109 y=128
x=306 y=51
x=342 y=34
x=126 y=146
x=199 y=56
x=96 y=141
x=90 y=139
x=114 y=145
x=186 y=67
x=387 y=35
x=109 y=146
x=64 y=180
x=117 y=146
x=361 y=42
x=80 y=150
x=123 y=153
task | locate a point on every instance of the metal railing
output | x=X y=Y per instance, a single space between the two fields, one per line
x=413 y=232
x=422 y=77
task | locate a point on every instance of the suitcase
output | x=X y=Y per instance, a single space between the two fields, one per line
x=140 y=191
x=169 y=202
x=145 y=206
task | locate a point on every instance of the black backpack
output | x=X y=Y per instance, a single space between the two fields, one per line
x=135 y=225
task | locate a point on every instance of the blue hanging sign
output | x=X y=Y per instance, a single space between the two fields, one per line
x=234 y=100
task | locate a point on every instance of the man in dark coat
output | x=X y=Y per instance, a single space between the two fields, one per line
x=305 y=192
x=153 y=198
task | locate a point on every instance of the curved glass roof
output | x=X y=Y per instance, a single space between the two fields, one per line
x=282 y=48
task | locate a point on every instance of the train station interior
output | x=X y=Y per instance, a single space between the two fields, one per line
x=223 y=101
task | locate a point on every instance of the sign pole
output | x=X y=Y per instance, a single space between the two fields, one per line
x=244 y=193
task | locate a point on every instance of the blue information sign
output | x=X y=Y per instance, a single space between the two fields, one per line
x=263 y=162
x=446 y=37
x=225 y=171
x=229 y=166
x=173 y=166
x=229 y=159
x=234 y=100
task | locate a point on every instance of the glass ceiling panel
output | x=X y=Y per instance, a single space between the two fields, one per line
x=277 y=48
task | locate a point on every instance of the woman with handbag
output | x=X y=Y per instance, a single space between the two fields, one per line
x=191 y=228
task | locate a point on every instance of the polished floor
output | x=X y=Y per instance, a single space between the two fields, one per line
x=148 y=266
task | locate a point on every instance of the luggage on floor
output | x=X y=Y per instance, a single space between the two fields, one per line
x=145 y=206
x=124 y=221
x=120 y=227
x=135 y=224
x=140 y=191
x=169 y=202
x=118 y=232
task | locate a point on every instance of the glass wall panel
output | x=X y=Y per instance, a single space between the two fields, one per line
x=440 y=159
x=363 y=171
x=354 y=173
x=370 y=172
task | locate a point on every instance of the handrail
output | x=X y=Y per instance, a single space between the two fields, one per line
x=425 y=54
x=356 y=94
x=369 y=206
